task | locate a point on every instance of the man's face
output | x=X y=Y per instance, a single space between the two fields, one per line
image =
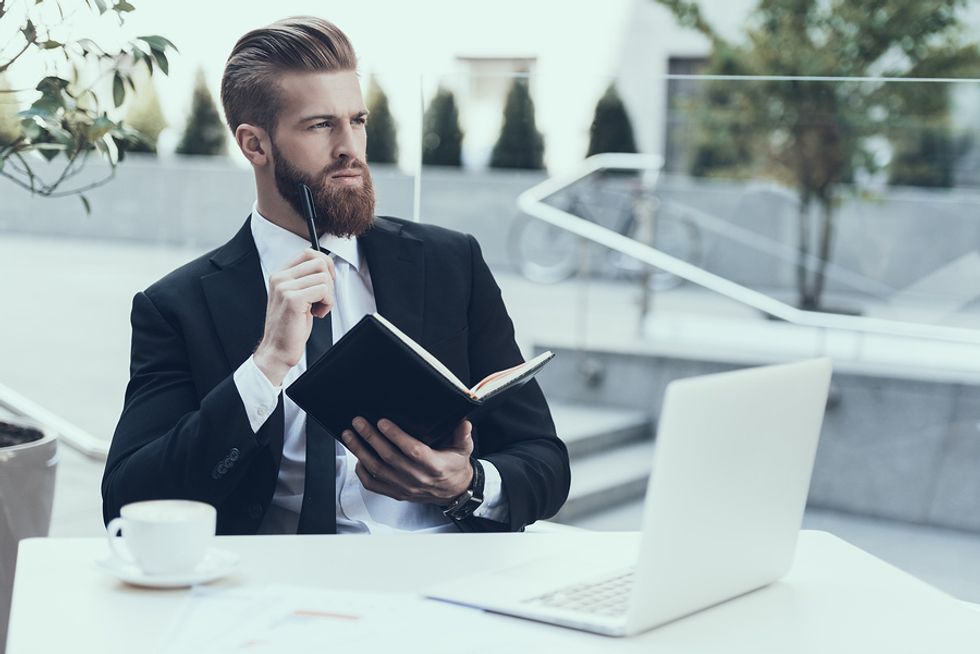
x=320 y=140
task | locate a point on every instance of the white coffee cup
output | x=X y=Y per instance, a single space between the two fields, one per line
x=163 y=537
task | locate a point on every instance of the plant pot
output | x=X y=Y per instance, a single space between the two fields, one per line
x=28 y=459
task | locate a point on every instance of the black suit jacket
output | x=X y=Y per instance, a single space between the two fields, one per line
x=183 y=432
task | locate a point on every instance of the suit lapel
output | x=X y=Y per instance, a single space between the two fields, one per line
x=396 y=262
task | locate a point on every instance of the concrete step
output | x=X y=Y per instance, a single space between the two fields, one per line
x=588 y=430
x=608 y=479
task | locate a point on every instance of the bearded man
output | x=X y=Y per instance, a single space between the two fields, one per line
x=216 y=341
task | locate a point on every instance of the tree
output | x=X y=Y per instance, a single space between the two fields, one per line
x=611 y=129
x=924 y=156
x=204 y=133
x=145 y=116
x=520 y=144
x=382 y=137
x=815 y=135
x=65 y=116
x=442 y=138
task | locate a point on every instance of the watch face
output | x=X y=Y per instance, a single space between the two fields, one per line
x=463 y=507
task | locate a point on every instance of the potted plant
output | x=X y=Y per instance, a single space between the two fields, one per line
x=28 y=457
x=63 y=123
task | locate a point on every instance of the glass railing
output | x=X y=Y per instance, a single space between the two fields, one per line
x=747 y=242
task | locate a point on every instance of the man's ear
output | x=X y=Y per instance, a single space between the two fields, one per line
x=253 y=141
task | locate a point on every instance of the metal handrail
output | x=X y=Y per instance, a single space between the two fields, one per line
x=70 y=434
x=532 y=203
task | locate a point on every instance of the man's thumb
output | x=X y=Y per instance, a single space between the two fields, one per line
x=463 y=438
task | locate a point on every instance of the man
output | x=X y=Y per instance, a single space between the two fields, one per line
x=217 y=340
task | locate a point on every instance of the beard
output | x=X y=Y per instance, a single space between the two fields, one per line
x=342 y=211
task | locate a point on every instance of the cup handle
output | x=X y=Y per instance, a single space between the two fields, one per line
x=117 y=548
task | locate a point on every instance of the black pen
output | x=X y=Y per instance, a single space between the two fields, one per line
x=309 y=212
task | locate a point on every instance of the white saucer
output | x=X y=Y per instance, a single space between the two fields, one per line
x=217 y=563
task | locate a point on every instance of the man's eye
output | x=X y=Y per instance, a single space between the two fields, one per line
x=320 y=124
x=361 y=120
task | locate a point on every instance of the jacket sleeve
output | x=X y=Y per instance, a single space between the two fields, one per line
x=519 y=436
x=170 y=442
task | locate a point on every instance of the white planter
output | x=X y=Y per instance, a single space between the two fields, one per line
x=27 y=475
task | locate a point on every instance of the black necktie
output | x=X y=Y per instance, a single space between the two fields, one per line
x=319 y=513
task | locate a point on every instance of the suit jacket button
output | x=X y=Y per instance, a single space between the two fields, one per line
x=234 y=454
x=255 y=511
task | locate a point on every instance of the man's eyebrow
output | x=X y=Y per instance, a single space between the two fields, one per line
x=359 y=114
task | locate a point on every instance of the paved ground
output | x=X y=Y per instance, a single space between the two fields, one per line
x=73 y=296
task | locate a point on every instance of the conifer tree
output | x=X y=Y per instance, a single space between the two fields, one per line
x=611 y=129
x=442 y=138
x=382 y=137
x=204 y=133
x=520 y=144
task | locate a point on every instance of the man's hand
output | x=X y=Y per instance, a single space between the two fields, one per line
x=297 y=294
x=405 y=468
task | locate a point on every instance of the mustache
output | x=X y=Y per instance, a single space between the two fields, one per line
x=342 y=165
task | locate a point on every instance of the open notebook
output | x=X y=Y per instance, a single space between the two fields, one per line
x=377 y=371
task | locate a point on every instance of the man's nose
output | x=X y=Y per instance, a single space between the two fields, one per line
x=344 y=145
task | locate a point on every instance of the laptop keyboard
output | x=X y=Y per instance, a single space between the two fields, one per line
x=607 y=597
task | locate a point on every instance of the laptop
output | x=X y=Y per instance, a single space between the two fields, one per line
x=723 y=510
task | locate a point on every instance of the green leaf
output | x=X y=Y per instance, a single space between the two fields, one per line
x=51 y=45
x=157 y=42
x=88 y=45
x=52 y=96
x=100 y=128
x=101 y=5
x=52 y=84
x=29 y=31
x=161 y=60
x=122 y=6
x=86 y=204
x=118 y=89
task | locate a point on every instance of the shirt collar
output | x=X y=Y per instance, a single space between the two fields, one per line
x=278 y=246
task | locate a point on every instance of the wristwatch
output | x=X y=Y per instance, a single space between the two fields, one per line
x=467 y=502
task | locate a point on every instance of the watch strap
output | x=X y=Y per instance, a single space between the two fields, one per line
x=469 y=500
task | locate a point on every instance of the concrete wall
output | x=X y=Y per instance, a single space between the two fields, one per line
x=747 y=232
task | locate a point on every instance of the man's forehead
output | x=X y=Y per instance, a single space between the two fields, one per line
x=319 y=93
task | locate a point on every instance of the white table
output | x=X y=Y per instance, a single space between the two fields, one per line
x=836 y=598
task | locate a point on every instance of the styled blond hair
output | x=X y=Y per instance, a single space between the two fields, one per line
x=249 y=85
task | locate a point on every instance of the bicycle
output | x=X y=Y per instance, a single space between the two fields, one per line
x=625 y=203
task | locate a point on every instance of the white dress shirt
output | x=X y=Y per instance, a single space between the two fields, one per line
x=358 y=509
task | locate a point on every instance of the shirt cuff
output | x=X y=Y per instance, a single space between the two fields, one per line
x=494 y=505
x=258 y=394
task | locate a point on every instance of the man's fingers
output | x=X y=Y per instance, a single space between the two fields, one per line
x=306 y=281
x=417 y=452
x=384 y=448
x=379 y=485
x=302 y=298
x=363 y=453
x=309 y=262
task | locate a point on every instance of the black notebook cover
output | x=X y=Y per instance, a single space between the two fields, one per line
x=372 y=373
